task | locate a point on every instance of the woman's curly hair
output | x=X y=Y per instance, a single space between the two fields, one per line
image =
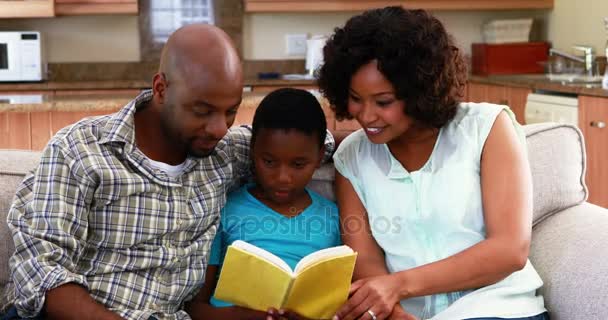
x=413 y=51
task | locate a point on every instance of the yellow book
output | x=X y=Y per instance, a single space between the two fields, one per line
x=257 y=279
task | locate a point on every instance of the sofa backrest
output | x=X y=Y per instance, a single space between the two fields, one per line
x=14 y=165
x=557 y=160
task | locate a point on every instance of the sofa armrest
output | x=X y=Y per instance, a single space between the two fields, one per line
x=569 y=251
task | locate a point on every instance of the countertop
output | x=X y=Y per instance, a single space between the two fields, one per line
x=541 y=82
x=74 y=85
x=127 y=84
x=97 y=102
x=58 y=102
x=55 y=100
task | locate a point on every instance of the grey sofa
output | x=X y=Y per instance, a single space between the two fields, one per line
x=569 y=238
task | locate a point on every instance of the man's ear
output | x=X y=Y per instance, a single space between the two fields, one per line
x=159 y=87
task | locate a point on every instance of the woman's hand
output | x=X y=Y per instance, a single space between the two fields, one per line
x=274 y=314
x=371 y=299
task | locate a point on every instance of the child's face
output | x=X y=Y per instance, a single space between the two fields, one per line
x=285 y=162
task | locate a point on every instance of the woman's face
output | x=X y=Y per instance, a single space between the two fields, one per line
x=373 y=103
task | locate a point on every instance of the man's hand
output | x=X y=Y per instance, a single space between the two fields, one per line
x=72 y=301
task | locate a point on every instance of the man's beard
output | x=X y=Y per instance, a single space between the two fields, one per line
x=198 y=153
x=171 y=132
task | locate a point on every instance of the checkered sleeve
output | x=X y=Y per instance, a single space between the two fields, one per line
x=239 y=140
x=48 y=221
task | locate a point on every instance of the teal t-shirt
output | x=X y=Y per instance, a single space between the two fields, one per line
x=290 y=238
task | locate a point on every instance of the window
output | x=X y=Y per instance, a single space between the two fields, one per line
x=167 y=16
x=159 y=18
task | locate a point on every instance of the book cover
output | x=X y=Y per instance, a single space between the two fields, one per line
x=255 y=278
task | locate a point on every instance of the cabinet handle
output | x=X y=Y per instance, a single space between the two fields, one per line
x=598 y=124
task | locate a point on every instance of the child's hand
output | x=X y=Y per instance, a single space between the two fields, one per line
x=274 y=314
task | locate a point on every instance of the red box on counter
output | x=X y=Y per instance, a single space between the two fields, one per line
x=509 y=58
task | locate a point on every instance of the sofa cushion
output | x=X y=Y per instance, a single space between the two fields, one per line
x=323 y=181
x=14 y=164
x=557 y=160
x=568 y=250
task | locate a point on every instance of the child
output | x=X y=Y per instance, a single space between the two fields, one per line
x=277 y=212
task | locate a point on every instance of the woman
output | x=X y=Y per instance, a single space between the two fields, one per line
x=434 y=194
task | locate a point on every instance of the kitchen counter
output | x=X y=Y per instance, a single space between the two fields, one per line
x=127 y=84
x=97 y=102
x=75 y=85
x=540 y=82
x=55 y=100
x=279 y=82
x=68 y=103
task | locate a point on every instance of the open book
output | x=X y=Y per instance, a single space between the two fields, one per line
x=257 y=279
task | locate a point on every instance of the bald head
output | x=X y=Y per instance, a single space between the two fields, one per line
x=201 y=52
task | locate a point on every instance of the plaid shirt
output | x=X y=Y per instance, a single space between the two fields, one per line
x=95 y=212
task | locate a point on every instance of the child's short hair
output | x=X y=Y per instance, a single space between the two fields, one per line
x=290 y=109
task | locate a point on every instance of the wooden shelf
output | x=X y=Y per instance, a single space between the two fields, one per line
x=359 y=5
x=94 y=7
x=27 y=9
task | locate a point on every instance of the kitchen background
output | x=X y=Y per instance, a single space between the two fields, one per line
x=116 y=38
x=100 y=53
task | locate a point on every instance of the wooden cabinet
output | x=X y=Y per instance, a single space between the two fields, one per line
x=593 y=121
x=51 y=8
x=27 y=9
x=32 y=129
x=514 y=97
x=95 y=7
x=358 y=5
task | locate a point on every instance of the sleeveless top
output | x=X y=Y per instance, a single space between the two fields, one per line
x=435 y=212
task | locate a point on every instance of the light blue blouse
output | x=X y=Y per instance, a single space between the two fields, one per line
x=435 y=212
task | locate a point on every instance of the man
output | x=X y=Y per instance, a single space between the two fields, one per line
x=117 y=220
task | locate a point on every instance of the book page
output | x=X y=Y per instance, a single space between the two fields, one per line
x=321 y=255
x=319 y=290
x=249 y=281
x=266 y=255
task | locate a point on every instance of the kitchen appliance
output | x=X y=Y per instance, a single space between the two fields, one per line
x=547 y=107
x=21 y=56
x=314 y=58
x=314 y=53
x=509 y=58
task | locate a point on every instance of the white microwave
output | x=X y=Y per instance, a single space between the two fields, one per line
x=21 y=56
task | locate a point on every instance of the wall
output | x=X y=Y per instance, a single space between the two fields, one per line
x=85 y=38
x=264 y=34
x=578 y=22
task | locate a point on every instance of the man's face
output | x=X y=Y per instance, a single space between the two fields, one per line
x=196 y=115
